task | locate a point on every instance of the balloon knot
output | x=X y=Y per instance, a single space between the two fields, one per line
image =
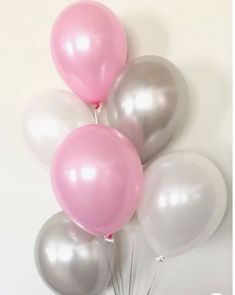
x=160 y=258
x=97 y=106
x=109 y=237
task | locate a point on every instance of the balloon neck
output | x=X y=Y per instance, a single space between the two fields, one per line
x=160 y=258
x=109 y=238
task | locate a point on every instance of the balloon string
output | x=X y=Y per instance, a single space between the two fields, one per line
x=131 y=268
x=96 y=117
x=120 y=278
x=97 y=108
x=160 y=259
x=152 y=284
x=113 y=279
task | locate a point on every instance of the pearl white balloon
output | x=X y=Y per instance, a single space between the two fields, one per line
x=52 y=115
x=183 y=204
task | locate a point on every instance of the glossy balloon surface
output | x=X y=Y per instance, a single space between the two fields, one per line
x=97 y=178
x=89 y=48
x=71 y=261
x=184 y=202
x=51 y=116
x=148 y=104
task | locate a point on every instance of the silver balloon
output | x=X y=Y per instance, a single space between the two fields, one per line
x=184 y=202
x=52 y=115
x=148 y=103
x=71 y=261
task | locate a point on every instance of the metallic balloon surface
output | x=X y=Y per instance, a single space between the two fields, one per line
x=50 y=117
x=89 y=48
x=71 y=261
x=97 y=178
x=184 y=202
x=148 y=103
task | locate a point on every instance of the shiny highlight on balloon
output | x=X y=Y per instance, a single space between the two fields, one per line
x=89 y=48
x=97 y=178
x=71 y=261
x=184 y=202
x=148 y=104
x=50 y=117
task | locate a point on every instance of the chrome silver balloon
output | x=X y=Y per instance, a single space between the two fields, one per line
x=148 y=103
x=184 y=202
x=71 y=261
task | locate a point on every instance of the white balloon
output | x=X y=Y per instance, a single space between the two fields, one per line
x=184 y=202
x=52 y=115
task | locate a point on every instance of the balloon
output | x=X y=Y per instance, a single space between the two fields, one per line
x=52 y=115
x=71 y=261
x=89 y=48
x=148 y=103
x=185 y=200
x=97 y=178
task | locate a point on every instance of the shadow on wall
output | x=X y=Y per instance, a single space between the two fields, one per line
x=209 y=96
x=154 y=32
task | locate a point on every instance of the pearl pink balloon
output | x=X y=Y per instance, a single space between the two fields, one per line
x=89 y=48
x=97 y=178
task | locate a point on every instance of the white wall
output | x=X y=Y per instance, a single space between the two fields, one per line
x=196 y=36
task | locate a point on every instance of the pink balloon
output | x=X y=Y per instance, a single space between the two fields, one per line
x=89 y=48
x=97 y=178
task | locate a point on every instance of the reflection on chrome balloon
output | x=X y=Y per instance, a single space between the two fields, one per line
x=72 y=261
x=148 y=104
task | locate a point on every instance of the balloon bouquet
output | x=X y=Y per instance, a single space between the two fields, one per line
x=97 y=170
